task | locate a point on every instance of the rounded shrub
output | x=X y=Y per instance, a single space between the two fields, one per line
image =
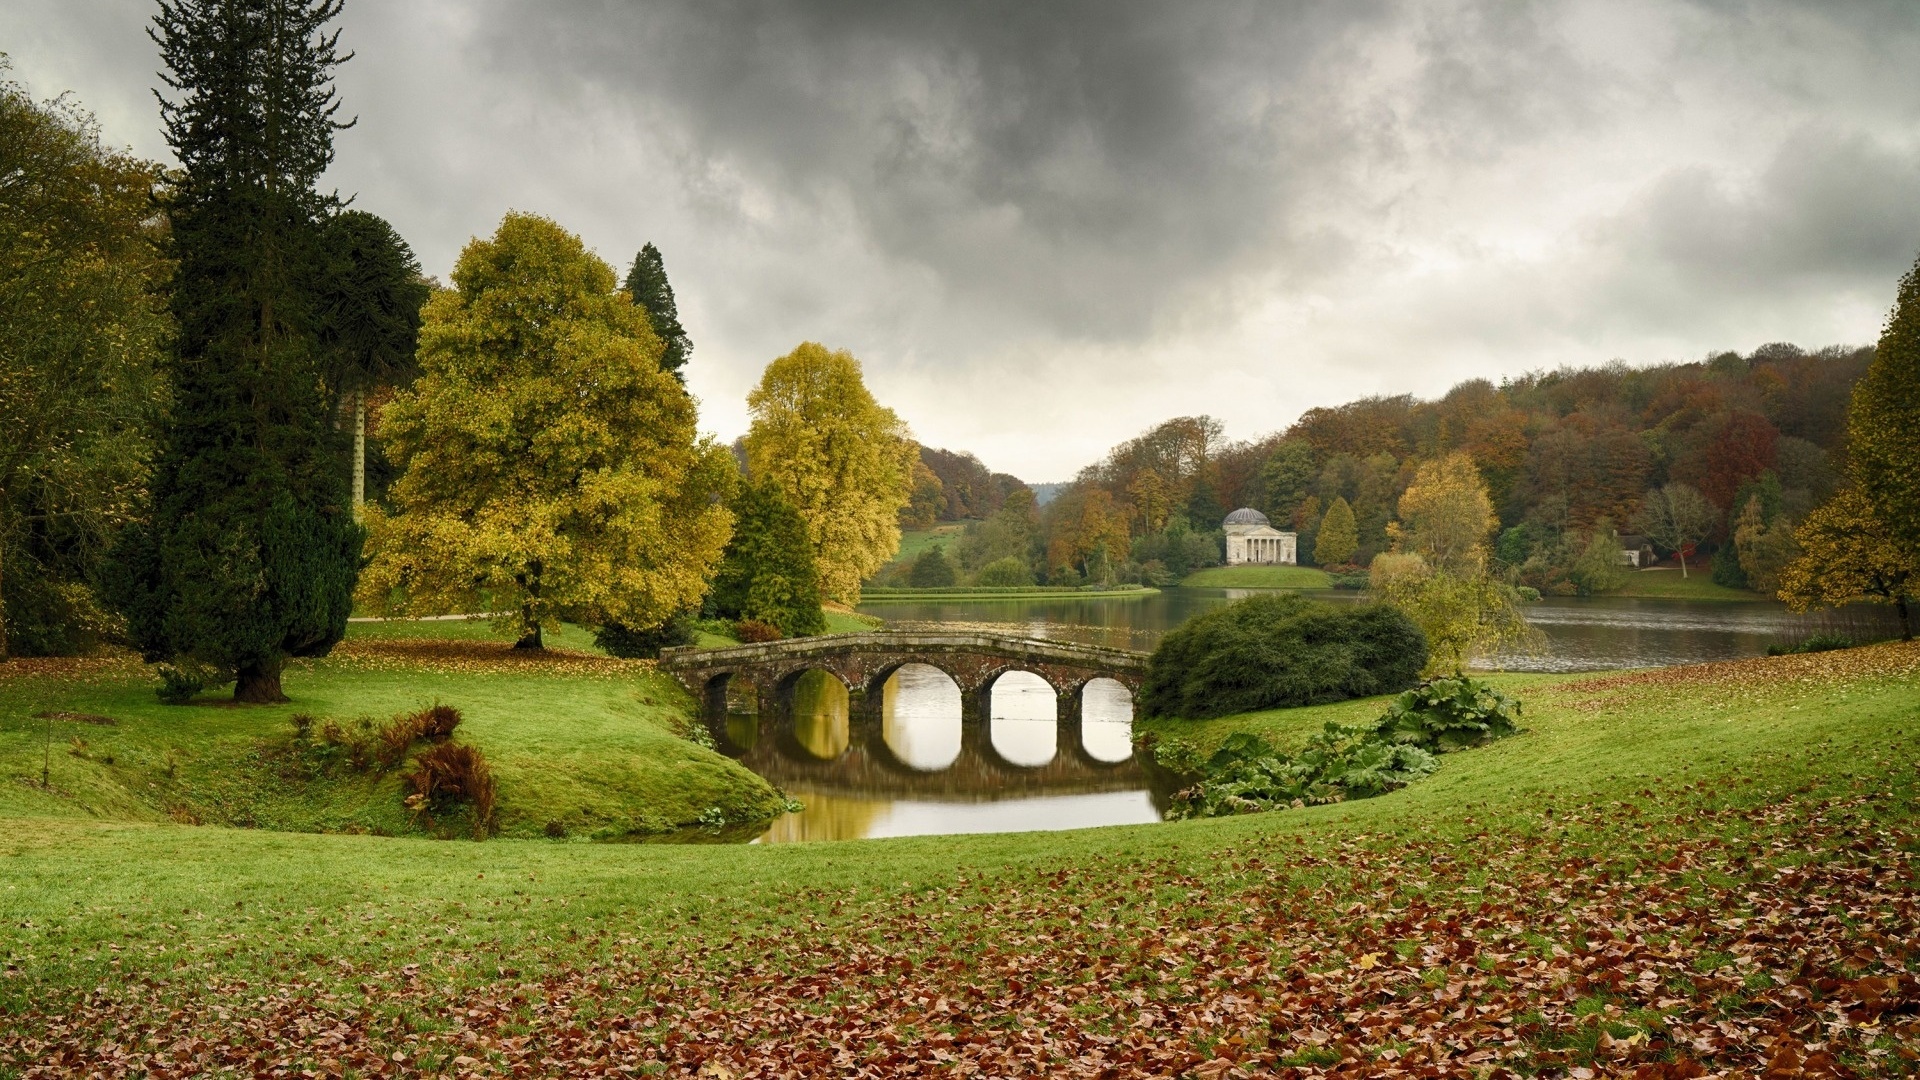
x=1010 y=572
x=628 y=643
x=1279 y=651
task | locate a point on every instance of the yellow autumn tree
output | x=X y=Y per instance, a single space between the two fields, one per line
x=841 y=458
x=551 y=468
x=1437 y=573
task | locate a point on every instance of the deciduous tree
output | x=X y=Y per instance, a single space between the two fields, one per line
x=843 y=460
x=1676 y=517
x=251 y=551
x=1883 y=428
x=80 y=338
x=1848 y=554
x=1446 y=515
x=551 y=466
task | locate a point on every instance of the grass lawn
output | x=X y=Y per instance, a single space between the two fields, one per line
x=1708 y=864
x=1667 y=584
x=1257 y=577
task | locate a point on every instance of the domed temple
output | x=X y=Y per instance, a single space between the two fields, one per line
x=1252 y=540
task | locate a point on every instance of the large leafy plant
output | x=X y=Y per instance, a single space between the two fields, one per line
x=1247 y=774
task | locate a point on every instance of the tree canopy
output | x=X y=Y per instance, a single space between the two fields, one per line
x=1338 y=537
x=551 y=467
x=767 y=573
x=843 y=460
x=1884 y=423
x=80 y=337
x=1848 y=554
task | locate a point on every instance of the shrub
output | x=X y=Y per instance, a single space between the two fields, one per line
x=628 y=643
x=365 y=745
x=449 y=775
x=1249 y=775
x=181 y=682
x=1274 y=651
x=1010 y=572
x=752 y=631
x=1065 y=577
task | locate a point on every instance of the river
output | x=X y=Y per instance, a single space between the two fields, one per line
x=921 y=714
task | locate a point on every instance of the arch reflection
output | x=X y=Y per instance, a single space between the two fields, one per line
x=820 y=714
x=1106 y=720
x=1024 y=713
x=920 y=717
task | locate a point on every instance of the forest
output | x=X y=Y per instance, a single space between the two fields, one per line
x=1565 y=454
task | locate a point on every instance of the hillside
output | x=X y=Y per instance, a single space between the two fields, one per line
x=1652 y=873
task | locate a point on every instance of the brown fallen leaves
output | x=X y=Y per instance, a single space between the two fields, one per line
x=475 y=658
x=1771 y=941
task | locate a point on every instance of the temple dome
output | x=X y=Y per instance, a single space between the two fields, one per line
x=1246 y=515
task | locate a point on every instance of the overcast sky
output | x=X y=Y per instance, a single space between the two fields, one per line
x=1044 y=227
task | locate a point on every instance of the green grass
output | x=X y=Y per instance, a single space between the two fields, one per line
x=915 y=541
x=101 y=893
x=597 y=745
x=1669 y=585
x=1257 y=577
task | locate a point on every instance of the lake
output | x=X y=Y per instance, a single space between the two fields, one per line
x=1027 y=782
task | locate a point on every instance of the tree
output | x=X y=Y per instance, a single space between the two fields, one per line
x=1287 y=477
x=1151 y=500
x=1597 y=569
x=1463 y=615
x=80 y=338
x=1885 y=416
x=1676 y=517
x=1446 y=515
x=767 y=572
x=1848 y=554
x=1338 y=538
x=931 y=570
x=250 y=554
x=1763 y=545
x=1009 y=572
x=928 y=500
x=647 y=284
x=551 y=467
x=370 y=295
x=842 y=459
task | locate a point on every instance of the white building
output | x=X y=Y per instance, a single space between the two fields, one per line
x=1251 y=540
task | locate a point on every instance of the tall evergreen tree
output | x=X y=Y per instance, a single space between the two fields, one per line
x=370 y=295
x=647 y=282
x=1886 y=415
x=251 y=551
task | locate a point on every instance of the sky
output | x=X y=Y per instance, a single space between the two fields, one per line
x=1044 y=228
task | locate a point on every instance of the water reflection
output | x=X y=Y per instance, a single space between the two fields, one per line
x=820 y=715
x=1023 y=719
x=834 y=815
x=920 y=717
x=1577 y=633
x=1106 y=721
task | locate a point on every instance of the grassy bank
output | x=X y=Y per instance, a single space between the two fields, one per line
x=1697 y=863
x=1665 y=584
x=1257 y=577
x=577 y=742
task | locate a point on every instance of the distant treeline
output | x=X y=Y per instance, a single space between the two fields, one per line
x=1563 y=452
x=955 y=486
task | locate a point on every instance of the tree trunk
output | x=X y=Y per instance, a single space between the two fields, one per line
x=1683 y=563
x=1906 y=618
x=530 y=639
x=529 y=620
x=5 y=655
x=359 y=451
x=259 y=684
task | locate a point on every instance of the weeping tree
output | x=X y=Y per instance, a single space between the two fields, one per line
x=250 y=552
x=370 y=293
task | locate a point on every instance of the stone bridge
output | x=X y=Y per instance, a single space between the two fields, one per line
x=761 y=679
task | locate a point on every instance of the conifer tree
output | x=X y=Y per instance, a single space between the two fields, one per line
x=1339 y=535
x=647 y=283
x=1882 y=427
x=251 y=551
x=767 y=572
